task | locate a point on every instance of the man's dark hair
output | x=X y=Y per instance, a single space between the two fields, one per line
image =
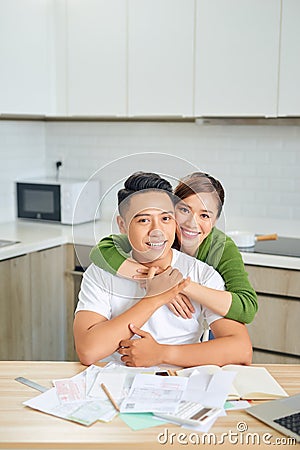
x=140 y=181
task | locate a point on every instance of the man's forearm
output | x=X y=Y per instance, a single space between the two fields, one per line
x=219 y=351
x=103 y=338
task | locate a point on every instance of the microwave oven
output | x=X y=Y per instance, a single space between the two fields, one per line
x=64 y=201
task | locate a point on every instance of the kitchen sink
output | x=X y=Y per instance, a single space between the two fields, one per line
x=5 y=243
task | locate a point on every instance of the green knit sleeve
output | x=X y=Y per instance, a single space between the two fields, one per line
x=225 y=257
x=111 y=252
x=244 y=299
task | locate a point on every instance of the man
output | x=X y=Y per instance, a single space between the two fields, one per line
x=111 y=310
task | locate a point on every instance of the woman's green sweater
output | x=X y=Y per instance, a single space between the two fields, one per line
x=217 y=250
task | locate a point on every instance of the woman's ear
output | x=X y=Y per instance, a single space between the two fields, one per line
x=121 y=225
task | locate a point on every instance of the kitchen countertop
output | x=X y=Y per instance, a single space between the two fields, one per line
x=34 y=236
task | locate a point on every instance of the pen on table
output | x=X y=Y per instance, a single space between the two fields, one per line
x=109 y=396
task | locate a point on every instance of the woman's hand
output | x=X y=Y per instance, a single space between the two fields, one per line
x=166 y=284
x=180 y=305
x=143 y=273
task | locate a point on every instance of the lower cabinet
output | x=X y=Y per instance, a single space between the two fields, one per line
x=274 y=331
x=77 y=261
x=33 y=309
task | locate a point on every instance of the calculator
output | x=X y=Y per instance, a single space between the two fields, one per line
x=191 y=413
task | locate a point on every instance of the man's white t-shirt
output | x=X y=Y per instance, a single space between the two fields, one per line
x=110 y=295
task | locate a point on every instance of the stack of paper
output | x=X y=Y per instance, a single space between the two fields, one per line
x=78 y=399
x=138 y=390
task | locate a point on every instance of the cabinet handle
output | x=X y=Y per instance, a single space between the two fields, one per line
x=75 y=273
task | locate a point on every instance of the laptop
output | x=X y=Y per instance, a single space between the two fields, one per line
x=283 y=415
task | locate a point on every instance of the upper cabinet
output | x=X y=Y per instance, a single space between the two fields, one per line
x=160 y=57
x=25 y=57
x=96 y=57
x=237 y=57
x=150 y=58
x=289 y=74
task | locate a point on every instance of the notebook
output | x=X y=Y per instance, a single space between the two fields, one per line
x=283 y=415
x=250 y=383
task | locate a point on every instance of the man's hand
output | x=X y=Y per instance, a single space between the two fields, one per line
x=180 y=305
x=143 y=352
x=166 y=285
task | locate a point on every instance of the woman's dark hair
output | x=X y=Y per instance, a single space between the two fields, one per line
x=198 y=182
x=140 y=181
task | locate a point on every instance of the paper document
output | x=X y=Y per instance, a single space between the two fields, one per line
x=70 y=391
x=152 y=393
x=209 y=390
x=250 y=383
x=68 y=400
x=114 y=383
x=85 y=413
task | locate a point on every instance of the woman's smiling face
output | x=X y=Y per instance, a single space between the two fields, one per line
x=195 y=217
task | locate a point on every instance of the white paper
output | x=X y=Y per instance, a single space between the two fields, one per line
x=215 y=393
x=90 y=376
x=84 y=412
x=152 y=393
x=114 y=383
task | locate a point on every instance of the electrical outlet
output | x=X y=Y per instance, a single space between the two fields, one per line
x=60 y=157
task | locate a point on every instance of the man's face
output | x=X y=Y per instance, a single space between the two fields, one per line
x=150 y=225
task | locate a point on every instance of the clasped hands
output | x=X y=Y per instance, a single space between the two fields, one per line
x=156 y=281
x=168 y=285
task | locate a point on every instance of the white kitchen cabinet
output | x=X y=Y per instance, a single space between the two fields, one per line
x=160 y=57
x=289 y=75
x=237 y=57
x=25 y=57
x=96 y=57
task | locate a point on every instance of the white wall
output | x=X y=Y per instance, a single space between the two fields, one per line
x=22 y=155
x=259 y=166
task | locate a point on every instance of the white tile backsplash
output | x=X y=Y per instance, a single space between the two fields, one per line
x=22 y=155
x=259 y=166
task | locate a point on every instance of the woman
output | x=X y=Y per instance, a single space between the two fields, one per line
x=199 y=202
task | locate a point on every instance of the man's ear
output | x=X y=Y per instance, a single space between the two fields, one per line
x=121 y=225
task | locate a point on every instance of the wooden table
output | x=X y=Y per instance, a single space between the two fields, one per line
x=24 y=428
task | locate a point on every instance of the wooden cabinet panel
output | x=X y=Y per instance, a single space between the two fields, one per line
x=48 y=304
x=33 y=306
x=15 y=309
x=261 y=357
x=72 y=289
x=276 y=325
x=77 y=260
x=275 y=281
